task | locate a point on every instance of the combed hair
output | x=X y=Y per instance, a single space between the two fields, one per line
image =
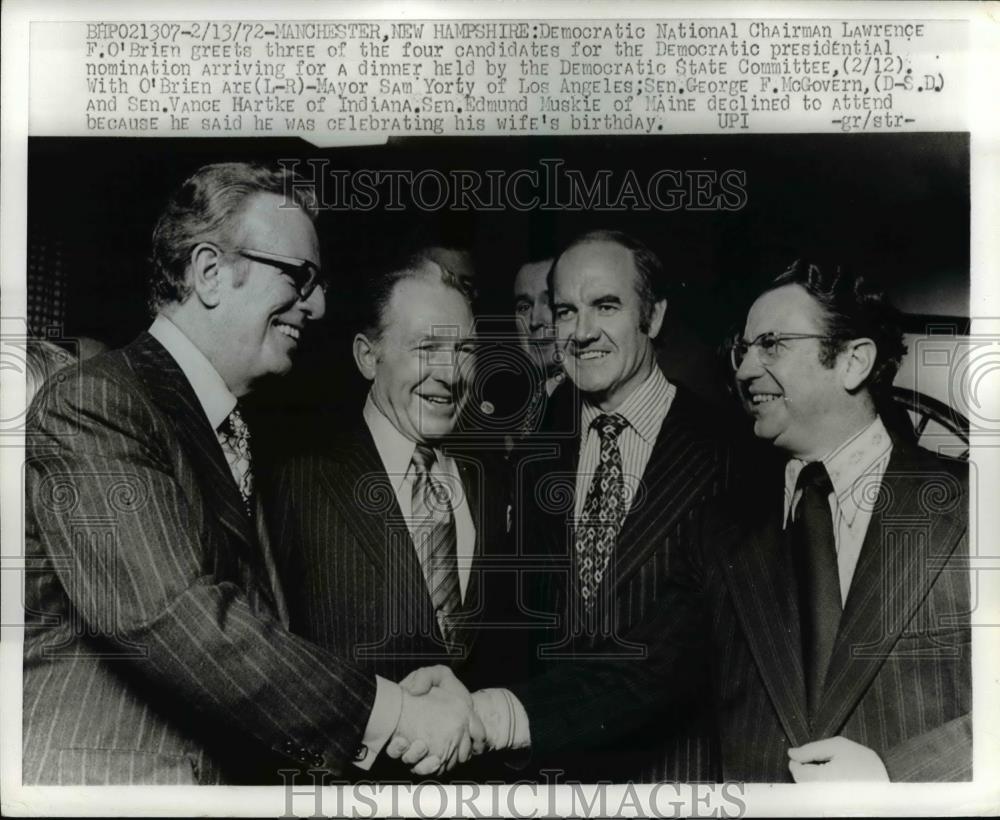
x=456 y=273
x=853 y=308
x=203 y=210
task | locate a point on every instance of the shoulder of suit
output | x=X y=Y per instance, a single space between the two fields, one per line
x=703 y=421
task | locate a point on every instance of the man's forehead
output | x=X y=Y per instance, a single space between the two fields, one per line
x=788 y=309
x=600 y=264
x=422 y=306
x=269 y=222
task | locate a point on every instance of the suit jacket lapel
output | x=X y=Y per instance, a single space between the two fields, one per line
x=470 y=614
x=172 y=392
x=903 y=552
x=356 y=484
x=762 y=588
x=680 y=469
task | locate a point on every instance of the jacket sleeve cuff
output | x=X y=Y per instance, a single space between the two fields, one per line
x=382 y=722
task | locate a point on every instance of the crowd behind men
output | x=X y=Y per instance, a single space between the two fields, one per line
x=597 y=587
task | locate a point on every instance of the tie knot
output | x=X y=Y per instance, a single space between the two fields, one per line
x=609 y=426
x=235 y=425
x=423 y=459
x=814 y=475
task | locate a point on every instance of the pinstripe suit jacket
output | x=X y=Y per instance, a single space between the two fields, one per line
x=899 y=679
x=689 y=465
x=347 y=560
x=153 y=650
x=354 y=581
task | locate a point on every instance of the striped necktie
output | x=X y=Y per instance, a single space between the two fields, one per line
x=434 y=535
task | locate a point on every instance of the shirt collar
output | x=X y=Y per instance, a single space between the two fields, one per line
x=846 y=465
x=215 y=397
x=643 y=409
x=395 y=449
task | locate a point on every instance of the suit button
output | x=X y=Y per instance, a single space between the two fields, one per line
x=317 y=761
x=360 y=753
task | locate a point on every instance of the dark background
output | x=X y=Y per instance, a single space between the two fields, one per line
x=894 y=206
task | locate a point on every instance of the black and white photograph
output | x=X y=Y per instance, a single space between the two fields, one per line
x=501 y=463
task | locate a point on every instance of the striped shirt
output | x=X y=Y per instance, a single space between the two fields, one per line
x=644 y=411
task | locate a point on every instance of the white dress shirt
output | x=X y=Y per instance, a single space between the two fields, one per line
x=644 y=410
x=856 y=468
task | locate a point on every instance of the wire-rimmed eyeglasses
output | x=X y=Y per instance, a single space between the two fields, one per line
x=768 y=346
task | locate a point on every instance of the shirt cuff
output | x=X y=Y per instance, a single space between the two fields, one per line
x=382 y=722
x=504 y=717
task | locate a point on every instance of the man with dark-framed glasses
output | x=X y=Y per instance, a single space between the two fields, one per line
x=157 y=648
x=835 y=608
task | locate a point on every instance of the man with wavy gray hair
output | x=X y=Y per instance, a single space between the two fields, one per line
x=156 y=643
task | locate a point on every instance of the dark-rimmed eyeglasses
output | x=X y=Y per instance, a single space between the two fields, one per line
x=306 y=276
x=768 y=346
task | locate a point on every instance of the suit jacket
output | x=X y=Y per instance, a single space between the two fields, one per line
x=354 y=581
x=154 y=650
x=689 y=465
x=899 y=679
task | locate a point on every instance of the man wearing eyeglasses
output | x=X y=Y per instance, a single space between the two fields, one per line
x=156 y=642
x=835 y=607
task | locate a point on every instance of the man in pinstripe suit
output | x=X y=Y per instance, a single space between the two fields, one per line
x=156 y=643
x=629 y=492
x=835 y=609
x=380 y=578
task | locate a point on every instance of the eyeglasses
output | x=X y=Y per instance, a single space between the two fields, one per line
x=768 y=346
x=305 y=275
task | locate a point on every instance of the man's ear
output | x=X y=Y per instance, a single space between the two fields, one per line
x=204 y=272
x=656 y=318
x=858 y=361
x=365 y=355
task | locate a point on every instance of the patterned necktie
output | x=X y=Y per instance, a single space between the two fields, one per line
x=604 y=509
x=234 y=436
x=814 y=555
x=434 y=535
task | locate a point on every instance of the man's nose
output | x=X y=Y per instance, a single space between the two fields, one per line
x=750 y=368
x=584 y=327
x=315 y=306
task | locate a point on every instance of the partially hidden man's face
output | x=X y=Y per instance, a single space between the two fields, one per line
x=534 y=315
x=423 y=360
x=795 y=401
x=261 y=313
x=598 y=316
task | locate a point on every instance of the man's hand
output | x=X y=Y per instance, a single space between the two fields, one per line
x=421 y=681
x=835 y=758
x=438 y=727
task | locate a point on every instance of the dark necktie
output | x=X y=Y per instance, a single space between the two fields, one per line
x=814 y=554
x=434 y=536
x=234 y=436
x=604 y=509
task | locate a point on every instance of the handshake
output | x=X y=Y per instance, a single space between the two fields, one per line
x=441 y=724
